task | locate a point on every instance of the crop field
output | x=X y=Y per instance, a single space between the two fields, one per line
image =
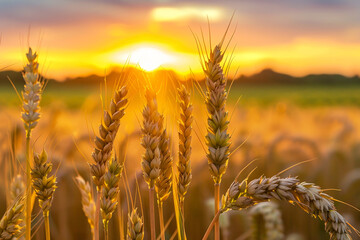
x=277 y=127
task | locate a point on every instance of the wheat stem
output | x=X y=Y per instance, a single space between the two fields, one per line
x=28 y=189
x=106 y=230
x=97 y=215
x=208 y=231
x=161 y=217
x=47 y=224
x=217 y=207
x=152 y=212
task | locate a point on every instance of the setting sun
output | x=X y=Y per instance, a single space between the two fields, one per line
x=149 y=58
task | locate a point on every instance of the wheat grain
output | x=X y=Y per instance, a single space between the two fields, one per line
x=87 y=200
x=306 y=195
x=135 y=226
x=11 y=222
x=185 y=122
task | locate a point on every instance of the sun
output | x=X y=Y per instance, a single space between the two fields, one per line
x=149 y=58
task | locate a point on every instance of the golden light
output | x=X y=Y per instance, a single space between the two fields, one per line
x=149 y=58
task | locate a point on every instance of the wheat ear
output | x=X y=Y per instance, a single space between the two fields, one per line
x=306 y=195
x=135 y=226
x=151 y=132
x=11 y=222
x=44 y=186
x=107 y=133
x=217 y=138
x=110 y=192
x=32 y=92
x=151 y=160
x=17 y=188
x=267 y=222
x=87 y=200
x=164 y=182
x=185 y=123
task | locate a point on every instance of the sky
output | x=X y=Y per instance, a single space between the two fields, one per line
x=79 y=37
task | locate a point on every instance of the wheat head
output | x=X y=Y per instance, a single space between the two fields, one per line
x=87 y=200
x=185 y=123
x=110 y=190
x=270 y=226
x=135 y=226
x=12 y=221
x=306 y=195
x=32 y=92
x=43 y=184
x=107 y=133
x=151 y=132
x=164 y=182
x=217 y=138
x=17 y=188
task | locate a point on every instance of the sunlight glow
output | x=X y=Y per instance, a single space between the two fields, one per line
x=149 y=58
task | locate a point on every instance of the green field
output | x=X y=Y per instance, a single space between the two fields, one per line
x=304 y=96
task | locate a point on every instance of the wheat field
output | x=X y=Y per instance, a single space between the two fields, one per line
x=147 y=156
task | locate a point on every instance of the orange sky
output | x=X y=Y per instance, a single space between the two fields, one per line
x=83 y=37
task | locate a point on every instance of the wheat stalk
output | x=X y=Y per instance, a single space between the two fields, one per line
x=44 y=186
x=104 y=145
x=110 y=192
x=11 y=222
x=151 y=160
x=185 y=122
x=30 y=115
x=267 y=222
x=87 y=200
x=217 y=138
x=306 y=195
x=135 y=226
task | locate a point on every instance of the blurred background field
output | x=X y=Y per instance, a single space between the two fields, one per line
x=279 y=125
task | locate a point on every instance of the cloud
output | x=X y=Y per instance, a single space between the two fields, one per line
x=184 y=13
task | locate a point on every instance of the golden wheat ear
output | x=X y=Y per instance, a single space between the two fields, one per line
x=267 y=221
x=135 y=226
x=110 y=191
x=17 y=188
x=307 y=196
x=12 y=221
x=107 y=133
x=43 y=183
x=87 y=201
x=185 y=128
